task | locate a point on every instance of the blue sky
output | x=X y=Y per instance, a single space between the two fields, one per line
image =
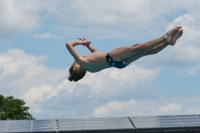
x=34 y=61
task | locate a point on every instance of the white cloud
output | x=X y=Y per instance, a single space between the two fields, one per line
x=185 y=53
x=193 y=71
x=21 y=71
x=121 y=19
x=37 y=93
x=91 y=91
x=46 y=36
x=171 y=108
x=17 y=17
x=119 y=79
x=114 y=108
x=120 y=13
x=23 y=16
x=147 y=107
x=98 y=18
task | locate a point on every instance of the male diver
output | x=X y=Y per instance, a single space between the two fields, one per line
x=119 y=57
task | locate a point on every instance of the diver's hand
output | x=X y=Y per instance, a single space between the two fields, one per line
x=84 y=41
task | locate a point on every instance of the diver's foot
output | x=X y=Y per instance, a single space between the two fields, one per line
x=171 y=33
x=177 y=35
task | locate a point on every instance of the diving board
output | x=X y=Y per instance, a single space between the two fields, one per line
x=140 y=124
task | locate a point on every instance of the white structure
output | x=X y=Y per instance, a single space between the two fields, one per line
x=142 y=124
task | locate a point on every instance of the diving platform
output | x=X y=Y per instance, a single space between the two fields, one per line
x=139 y=124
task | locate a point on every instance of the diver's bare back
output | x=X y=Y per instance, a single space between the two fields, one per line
x=95 y=61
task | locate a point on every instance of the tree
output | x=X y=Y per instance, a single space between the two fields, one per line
x=14 y=109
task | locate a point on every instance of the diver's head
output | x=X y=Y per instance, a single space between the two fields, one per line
x=76 y=72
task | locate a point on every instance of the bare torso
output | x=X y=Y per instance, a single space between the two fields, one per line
x=95 y=61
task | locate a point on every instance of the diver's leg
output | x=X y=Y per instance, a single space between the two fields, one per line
x=154 y=50
x=125 y=52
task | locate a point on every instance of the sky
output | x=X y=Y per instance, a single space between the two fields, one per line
x=34 y=61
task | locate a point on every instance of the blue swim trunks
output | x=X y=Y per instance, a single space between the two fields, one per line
x=115 y=63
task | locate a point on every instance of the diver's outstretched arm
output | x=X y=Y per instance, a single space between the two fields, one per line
x=70 y=46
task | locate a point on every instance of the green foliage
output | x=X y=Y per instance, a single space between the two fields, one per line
x=13 y=109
